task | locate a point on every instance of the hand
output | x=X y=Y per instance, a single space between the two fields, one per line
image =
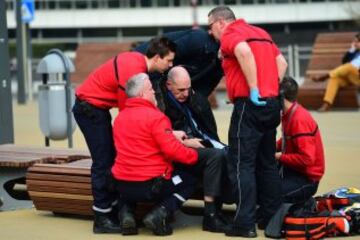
x=193 y=143
x=254 y=97
x=180 y=135
x=278 y=155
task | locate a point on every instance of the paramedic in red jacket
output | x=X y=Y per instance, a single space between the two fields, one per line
x=146 y=149
x=102 y=90
x=301 y=154
x=253 y=65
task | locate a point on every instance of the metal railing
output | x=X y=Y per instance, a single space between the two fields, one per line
x=94 y=4
x=298 y=58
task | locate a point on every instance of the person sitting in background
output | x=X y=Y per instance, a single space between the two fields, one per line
x=344 y=75
x=146 y=149
x=300 y=150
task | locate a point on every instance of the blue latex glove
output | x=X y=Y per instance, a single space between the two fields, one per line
x=254 y=97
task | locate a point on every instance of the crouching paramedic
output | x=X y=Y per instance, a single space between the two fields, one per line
x=146 y=146
x=301 y=152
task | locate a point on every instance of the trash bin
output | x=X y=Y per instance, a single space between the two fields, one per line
x=52 y=110
x=56 y=97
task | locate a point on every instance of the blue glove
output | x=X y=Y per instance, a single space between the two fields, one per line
x=254 y=97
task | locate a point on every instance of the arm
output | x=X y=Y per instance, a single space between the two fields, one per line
x=351 y=53
x=169 y=145
x=247 y=63
x=304 y=154
x=281 y=66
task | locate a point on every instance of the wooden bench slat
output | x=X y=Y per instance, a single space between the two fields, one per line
x=56 y=184
x=60 y=195
x=44 y=188
x=60 y=178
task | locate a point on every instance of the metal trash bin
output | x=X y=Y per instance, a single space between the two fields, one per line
x=52 y=110
x=56 y=97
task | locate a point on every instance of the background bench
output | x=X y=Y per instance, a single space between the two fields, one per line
x=91 y=55
x=14 y=162
x=327 y=54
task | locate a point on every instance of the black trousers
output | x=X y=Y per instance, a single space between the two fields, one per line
x=209 y=167
x=296 y=187
x=95 y=124
x=169 y=195
x=253 y=168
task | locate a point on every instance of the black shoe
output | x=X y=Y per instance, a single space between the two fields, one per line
x=214 y=223
x=127 y=221
x=158 y=221
x=104 y=224
x=236 y=231
x=261 y=225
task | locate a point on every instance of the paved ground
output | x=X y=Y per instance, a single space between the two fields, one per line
x=340 y=130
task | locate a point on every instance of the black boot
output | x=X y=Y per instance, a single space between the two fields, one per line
x=239 y=232
x=213 y=220
x=104 y=224
x=214 y=223
x=127 y=221
x=158 y=221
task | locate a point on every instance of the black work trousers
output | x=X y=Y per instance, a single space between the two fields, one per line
x=170 y=194
x=95 y=124
x=252 y=165
x=296 y=187
x=209 y=167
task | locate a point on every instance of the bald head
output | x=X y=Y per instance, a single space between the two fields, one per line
x=179 y=83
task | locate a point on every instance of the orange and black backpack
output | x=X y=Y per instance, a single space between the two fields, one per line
x=317 y=218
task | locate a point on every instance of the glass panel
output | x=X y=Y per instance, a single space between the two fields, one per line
x=99 y=32
x=135 y=32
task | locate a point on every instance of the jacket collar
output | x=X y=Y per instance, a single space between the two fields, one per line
x=138 y=102
x=291 y=109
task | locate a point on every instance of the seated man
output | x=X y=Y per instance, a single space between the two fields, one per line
x=188 y=110
x=346 y=74
x=143 y=169
x=301 y=153
x=191 y=113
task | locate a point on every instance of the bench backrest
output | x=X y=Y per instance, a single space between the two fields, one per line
x=328 y=51
x=91 y=55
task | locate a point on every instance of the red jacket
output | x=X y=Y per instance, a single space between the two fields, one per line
x=102 y=89
x=303 y=148
x=145 y=144
x=265 y=52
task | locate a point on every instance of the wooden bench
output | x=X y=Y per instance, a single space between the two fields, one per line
x=327 y=54
x=66 y=189
x=61 y=188
x=14 y=161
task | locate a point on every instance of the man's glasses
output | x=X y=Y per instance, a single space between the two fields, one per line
x=211 y=25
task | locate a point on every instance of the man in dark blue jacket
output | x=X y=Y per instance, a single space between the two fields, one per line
x=197 y=51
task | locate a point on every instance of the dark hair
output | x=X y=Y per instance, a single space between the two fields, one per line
x=161 y=46
x=358 y=36
x=222 y=12
x=289 y=88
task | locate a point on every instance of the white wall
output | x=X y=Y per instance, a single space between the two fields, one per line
x=151 y=17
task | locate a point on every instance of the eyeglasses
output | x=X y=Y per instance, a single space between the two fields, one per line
x=211 y=25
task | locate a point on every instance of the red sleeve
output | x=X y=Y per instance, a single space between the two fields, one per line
x=230 y=40
x=278 y=145
x=169 y=145
x=276 y=50
x=303 y=142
